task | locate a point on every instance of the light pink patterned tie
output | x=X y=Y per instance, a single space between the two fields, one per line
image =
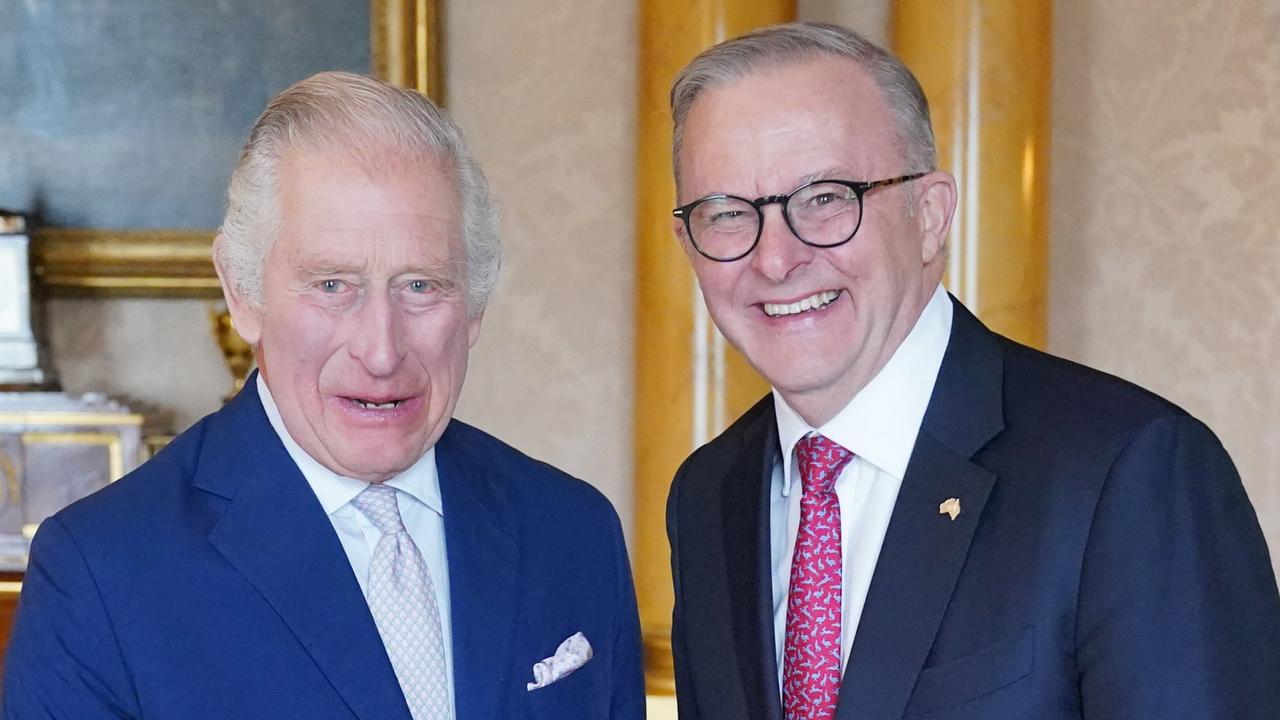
x=403 y=602
x=811 y=659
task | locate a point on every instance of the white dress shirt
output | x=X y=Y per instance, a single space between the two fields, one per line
x=879 y=426
x=421 y=509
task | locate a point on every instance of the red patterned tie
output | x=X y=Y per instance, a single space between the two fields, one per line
x=811 y=661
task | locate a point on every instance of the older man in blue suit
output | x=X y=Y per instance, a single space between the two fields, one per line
x=331 y=544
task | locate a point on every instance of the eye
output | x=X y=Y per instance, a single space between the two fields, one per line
x=722 y=215
x=421 y=286
x=726 y=215
x=332 y=286
x=818 y=198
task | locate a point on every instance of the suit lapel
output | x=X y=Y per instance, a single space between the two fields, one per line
x=918 y=567
x=276 y=534
x=925 y=550
x=483 y=568
x=747 y=547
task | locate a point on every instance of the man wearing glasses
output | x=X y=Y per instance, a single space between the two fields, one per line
x=923 y=519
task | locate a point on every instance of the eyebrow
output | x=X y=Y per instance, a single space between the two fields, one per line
x=446 y=272
x=324 y=267
x=832 y=173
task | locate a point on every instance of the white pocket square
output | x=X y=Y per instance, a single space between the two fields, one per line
x=572 y=654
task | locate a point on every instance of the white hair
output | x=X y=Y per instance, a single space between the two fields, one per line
x=357 y=115
x=799 y=42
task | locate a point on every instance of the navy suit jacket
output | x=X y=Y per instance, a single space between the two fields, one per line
x=209 y=583
x=1106 y=563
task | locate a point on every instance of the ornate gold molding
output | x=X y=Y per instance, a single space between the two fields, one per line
x=82 y=261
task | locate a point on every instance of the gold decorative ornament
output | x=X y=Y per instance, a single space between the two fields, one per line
x=235 y=351
x=950 y=506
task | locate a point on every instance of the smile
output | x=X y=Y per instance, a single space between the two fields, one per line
x=813 y=302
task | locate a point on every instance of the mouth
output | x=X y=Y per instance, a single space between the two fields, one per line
x=378 y=411
x=816 y=301
x=376 y=404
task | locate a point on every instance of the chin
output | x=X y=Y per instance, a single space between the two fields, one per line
x=376 y=464
x=798 y=375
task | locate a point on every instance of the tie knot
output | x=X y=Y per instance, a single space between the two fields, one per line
x=821 y=460
x=378 y=503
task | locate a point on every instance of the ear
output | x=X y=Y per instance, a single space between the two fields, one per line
x=246 y=316
x=682 y=236
x=473 y=328
x=935 y=208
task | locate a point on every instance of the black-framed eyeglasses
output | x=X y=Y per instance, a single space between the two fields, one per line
x=822 y=213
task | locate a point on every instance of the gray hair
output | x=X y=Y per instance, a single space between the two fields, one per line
x=798 y=42
x=359 y=115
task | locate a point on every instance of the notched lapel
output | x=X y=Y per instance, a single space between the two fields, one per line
x=919 y=565
x=924 y=550
x=747 y=547
x=276 y=534
x=484 y=562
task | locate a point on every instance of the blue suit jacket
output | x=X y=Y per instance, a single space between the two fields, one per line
x=1106 y=563
x=210 y=584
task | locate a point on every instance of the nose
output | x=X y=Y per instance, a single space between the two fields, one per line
x=377 y=336
x=779 y=251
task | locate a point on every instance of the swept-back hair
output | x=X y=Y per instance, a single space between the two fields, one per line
x=800 y=42
x=362 y=117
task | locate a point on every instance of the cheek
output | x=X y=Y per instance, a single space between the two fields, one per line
x=303 y=339
x=866 y=267
x=441 y=345
x=718 y=281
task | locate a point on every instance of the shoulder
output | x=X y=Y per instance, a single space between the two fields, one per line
x=532 y=486
x=1077 y=441
x=146 y=499
x=698 y=482
x=750 y=430
x=1046 y=405
x=1078 y=406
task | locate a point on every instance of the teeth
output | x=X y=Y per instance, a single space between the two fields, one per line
x=812 y=302
x=376 y=406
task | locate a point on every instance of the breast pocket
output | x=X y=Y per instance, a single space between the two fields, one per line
x=575 y=695
x=974 y=675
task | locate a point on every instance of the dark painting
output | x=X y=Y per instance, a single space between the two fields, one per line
x=119 y=114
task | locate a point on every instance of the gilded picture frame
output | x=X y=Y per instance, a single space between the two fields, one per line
x=406 y=49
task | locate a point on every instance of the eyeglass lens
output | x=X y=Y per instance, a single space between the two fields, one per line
x=820 y=214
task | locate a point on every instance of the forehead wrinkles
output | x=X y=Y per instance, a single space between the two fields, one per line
x=367 y=249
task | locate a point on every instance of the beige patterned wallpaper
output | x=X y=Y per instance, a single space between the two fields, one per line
x=546 y=94
x=159 y=354
x=1165 y=228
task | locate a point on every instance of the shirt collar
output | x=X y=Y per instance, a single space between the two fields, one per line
x=420 y=481
x=881 y=422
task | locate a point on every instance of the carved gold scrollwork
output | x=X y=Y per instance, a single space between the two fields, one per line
x=10 y=488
